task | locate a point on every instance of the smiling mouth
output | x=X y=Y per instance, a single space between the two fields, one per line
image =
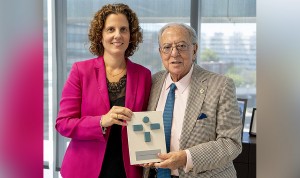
x=117 y=43
x=176 y=62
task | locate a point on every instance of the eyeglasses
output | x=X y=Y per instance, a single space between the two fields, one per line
x=167 y=48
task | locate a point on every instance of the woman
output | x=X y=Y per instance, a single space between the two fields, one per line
x=99 y=97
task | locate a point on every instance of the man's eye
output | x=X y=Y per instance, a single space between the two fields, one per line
x=167 y=47
x=181 y=46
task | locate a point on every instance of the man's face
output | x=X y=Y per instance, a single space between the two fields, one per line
x=177 y=51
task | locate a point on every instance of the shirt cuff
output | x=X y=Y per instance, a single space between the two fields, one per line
x=189 y=162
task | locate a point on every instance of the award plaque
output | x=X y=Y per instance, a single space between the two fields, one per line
x=146 y=137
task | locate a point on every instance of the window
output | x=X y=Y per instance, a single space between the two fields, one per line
x=230 y=49
x=227 y=41
x=78 y=14
x=228 y=45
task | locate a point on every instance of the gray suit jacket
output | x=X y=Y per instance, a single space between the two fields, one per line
x=215 y=140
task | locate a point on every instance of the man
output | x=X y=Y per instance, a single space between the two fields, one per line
x=206 y=124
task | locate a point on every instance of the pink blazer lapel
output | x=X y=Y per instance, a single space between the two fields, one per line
x=131 y=85
x=101 y=79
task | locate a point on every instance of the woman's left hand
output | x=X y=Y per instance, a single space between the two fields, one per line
x=116 y=115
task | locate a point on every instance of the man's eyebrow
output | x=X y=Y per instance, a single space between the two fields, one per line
x=181 y=42
x=175 y=43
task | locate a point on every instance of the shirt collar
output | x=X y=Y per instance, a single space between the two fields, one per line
x=182 y=84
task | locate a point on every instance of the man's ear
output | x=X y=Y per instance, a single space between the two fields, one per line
x=195 y=52
x=195 y=48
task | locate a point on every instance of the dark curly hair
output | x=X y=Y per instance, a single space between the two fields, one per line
x=98 y=23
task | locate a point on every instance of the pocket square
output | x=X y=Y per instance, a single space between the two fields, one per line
x=201 y=116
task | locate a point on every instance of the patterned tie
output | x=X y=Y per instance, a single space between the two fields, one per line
x=168 y=116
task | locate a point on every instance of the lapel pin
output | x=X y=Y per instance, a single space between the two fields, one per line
x=201 y=90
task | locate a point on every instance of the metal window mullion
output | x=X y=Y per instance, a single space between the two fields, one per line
x=52 y=69
x=61 y=73
x=195 y=20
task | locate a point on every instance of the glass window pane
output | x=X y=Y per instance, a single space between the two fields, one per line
x=230 y=49
x=151 y=20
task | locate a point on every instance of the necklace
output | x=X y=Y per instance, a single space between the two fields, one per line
x=113 y=75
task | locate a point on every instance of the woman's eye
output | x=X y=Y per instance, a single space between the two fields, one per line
x=124 y=29
x=110 y=30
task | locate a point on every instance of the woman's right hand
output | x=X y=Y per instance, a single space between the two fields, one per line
x=116 y=115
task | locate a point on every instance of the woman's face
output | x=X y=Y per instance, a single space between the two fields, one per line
x=115 y=35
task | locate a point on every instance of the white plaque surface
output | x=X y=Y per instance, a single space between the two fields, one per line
x=146 y=137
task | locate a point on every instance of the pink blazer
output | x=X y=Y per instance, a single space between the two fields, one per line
x=84 y=100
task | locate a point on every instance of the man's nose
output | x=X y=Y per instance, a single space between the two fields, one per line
x=174 y=51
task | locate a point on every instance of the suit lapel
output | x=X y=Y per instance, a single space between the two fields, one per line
x=195 y=100
x=131 y=85
x=157 y=84
x=101 y=80
x=194 y=103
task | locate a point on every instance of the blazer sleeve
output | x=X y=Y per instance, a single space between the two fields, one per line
x=69 y=122
x=227 y=146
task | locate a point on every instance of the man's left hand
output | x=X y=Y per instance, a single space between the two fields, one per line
x=172 y=160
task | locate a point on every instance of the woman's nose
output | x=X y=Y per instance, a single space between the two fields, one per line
x=117 y=34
